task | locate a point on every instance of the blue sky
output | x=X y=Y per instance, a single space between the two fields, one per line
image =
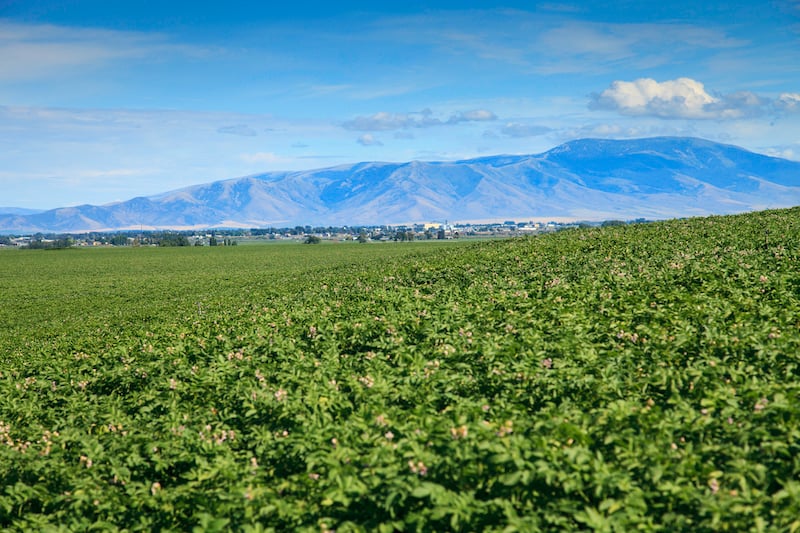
x=103 y=101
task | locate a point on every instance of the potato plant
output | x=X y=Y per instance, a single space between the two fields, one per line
x=640 y=377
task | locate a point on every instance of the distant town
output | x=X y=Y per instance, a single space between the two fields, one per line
x=306 y=234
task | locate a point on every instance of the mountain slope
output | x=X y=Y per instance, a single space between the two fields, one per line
x=18 y=211
x=661 y=177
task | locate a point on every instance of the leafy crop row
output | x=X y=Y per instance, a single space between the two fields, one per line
x=621 y=378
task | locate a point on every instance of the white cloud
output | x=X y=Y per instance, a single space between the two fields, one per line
x=685 y=98
x=476 y=115
x=784 y=152
x=368 y=140
x=519 y=130
x=383 y=121
x=681 y=98
x=788 y=102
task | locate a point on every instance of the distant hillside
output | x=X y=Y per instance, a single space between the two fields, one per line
x=663 y=177
x=19 y=211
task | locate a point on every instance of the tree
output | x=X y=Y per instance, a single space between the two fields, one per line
x=312 y=239
x=120 y=239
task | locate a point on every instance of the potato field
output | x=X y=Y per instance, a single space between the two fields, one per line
x=639 y=377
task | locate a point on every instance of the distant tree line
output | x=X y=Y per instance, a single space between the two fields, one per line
x=213 y=241
x=171 y=239
x=47 y=244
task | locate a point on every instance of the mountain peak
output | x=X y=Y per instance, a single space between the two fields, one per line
x=591 y=147
x=660 y=177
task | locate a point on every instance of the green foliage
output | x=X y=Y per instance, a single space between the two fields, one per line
x=171 y=239
x=54 y=244
x=620 y=378
x=312 y=239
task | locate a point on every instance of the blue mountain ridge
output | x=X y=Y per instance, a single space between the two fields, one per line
x=585 y=179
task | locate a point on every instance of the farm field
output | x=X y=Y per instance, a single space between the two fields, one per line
x=640 y=377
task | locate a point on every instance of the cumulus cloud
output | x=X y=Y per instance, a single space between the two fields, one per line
x=520 y=130
x=239 y=129
x=681 y=98
x=368 y=140
x=383 y=121
x=687 y=98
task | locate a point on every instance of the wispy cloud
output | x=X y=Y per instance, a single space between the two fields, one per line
x=30 y=52
x=520 y=129
x=476 y=115
x=551 y=40
x=625 y=131
x=100 y=155
x=262 y=158
x=384 y=121
x=242 y=130
x=580 y=46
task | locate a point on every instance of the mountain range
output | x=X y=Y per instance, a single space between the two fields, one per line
x=586 y=179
